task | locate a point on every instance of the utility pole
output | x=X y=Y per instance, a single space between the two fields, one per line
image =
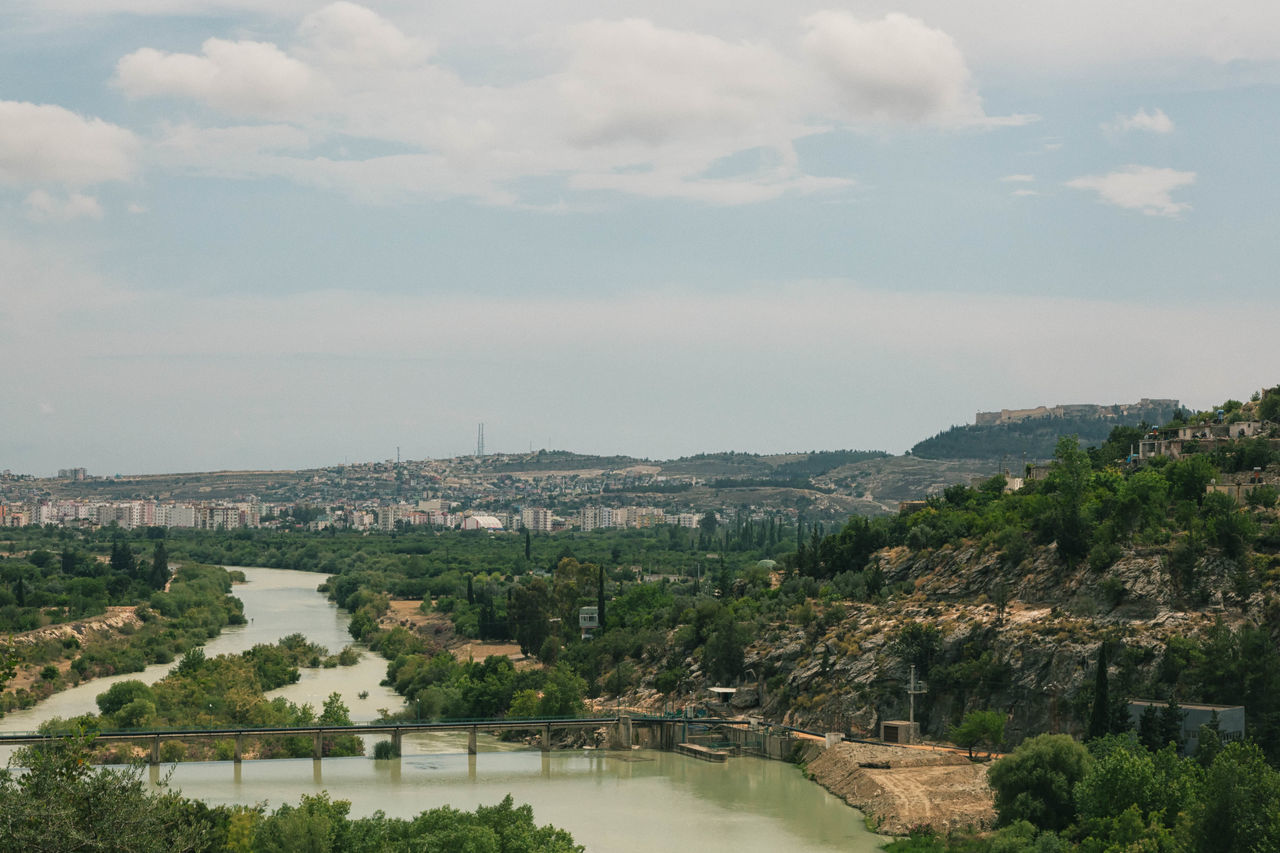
x=914 y=689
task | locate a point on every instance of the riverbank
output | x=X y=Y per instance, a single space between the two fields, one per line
x=193 y=608
x=900 y=788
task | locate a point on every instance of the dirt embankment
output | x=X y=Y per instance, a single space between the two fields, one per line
x=114 y=621
x=899 y=788
x=438 y=629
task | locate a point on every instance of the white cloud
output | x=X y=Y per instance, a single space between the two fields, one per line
x=351 y=35
x=1024 y=192
x=622 y=105
x=1143 y=188
x=236 y=77
x=631 y=81
x=1019 y=179
x=1156 y=122
x=41 y=143
x=894 y=69
x=42 y=206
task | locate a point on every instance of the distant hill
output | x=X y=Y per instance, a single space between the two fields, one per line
x=1034 y=433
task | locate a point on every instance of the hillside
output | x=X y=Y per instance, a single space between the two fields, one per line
x=1031 y=435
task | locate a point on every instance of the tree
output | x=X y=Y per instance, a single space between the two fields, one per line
x=600 y=599
x=979 y=728
x=123 y=561
x=530 y=615
x=1068 y=482
x=918 y=644
x=159 y=567
x=1036 y=781
x=1000 y=594
x=63 y=803
x=1100 y=715
x=1240 y=803
x=725 y=649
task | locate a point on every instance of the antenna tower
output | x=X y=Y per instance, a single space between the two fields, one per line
x=480 y=440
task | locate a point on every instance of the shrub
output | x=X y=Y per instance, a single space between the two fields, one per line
x=385 y=749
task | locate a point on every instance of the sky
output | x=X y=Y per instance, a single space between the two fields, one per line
x=284 y=234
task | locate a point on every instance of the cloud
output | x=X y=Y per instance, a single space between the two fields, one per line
x=894 y=69
x=43 y=143
x=236 y=77
x=357 y=104
x=632 y=81
x=1143 y=188
x=41 y=206
x=1024 y=192
x=1019 y=179
x=351 y=35
x=1156 y=122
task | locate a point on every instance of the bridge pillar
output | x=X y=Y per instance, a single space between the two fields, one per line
x=155 y=750
x=317 y=748
x=395 y=740
x=239 y=748
x=471 y=741
x=546 y=737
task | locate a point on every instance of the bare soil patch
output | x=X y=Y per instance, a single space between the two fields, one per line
x=437 y=628
x=901 y=788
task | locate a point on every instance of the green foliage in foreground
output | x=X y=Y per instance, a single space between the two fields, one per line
x=1053 y=794
x=62 y=803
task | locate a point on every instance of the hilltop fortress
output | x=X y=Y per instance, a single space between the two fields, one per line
x=1154 y=411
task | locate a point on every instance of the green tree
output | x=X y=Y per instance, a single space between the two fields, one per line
x=979 y=728
x=1100 y=714
x=159 y=567
x=918 y=644
x=724 y=651
x=63 y=803
x=1240 y=808
x=531 y=615
x=1068 y=482
x=1036 y=781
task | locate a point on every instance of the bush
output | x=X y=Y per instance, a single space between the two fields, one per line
x=385 y=749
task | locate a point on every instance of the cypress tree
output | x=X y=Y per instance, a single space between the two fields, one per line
x=1100 y=716
x=600 y=599
x=159 y=567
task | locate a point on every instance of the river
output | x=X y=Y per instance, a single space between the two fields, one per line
x=610 y=801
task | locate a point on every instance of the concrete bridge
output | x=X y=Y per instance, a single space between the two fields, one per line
x=625 y=730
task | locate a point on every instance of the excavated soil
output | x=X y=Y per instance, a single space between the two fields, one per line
x=899 y=788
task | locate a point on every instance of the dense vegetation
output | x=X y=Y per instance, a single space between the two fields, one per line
x=1054 y=795
x=197 y=606
x=61 y=803
x=221 y=692
x=54 y=578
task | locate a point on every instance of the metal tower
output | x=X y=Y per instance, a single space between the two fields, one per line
x=480 y=440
